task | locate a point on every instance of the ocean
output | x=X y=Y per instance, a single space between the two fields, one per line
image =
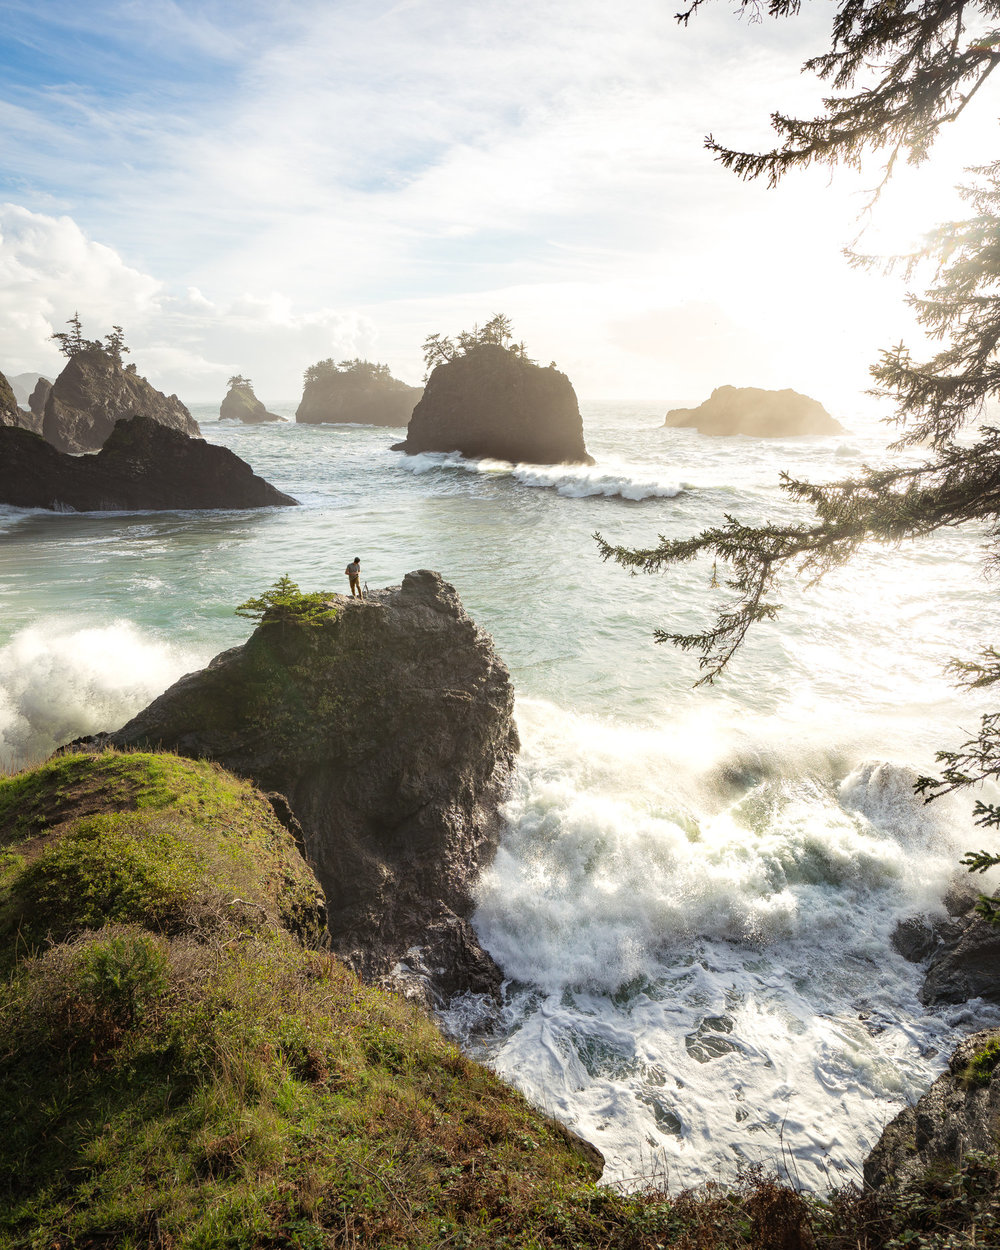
x=695 y=893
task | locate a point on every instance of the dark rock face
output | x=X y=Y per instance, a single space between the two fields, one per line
x=22 y=384
x=241 y=404
x=340 y=396
x=965 y=964
x=142 y=465
x=491 y=402
x=958 y=1114
x=390 y=731
x=93 y=392
x=755 y=412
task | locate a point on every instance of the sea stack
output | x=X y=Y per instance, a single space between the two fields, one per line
x=388 y=727
x=355 y=392
x=10 y=413
x=756 y=413
x=94 y=391
x=142 y=465
x=493 y=402
x=241 y=404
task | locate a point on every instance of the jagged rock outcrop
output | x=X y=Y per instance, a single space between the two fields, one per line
x=143 y=464
x=355 y=392
x=493 y=403
x=960 y=1113
x=965 y=962
x=38 y=398
x=93 y=392
x=241 y=404
x=22 y=384
x=757 y=413
x=10 y=414
x=389 y=729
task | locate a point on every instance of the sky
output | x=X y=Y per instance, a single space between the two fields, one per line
x=249 y=188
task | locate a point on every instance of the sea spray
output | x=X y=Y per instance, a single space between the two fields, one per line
x=59 y=681
x=694 y=980
x=612 y=479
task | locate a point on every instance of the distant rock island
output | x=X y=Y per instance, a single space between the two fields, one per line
x=757 y=413
x=96 y=389
x=355 y=391
x=241 y=404
x=142 y=465
x=485 y=398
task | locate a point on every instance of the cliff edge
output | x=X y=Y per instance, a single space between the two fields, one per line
x=388 y=727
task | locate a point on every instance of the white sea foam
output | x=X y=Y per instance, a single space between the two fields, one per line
x=666 y=946
x=59 y=681
x=614 y=479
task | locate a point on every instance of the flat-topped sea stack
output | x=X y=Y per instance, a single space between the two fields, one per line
x=95 y=391
x=355 y=392
x=757 y=413
x=241 y=404
x=387 y=724
x=142 y=465
x=492 y=402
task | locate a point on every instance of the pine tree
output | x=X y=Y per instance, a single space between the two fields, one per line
x=919 y=65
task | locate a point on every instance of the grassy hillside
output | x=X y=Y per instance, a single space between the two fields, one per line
x=183 y=1066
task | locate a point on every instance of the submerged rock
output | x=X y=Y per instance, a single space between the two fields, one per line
x=958 y=1114
x=355 y=391
x=493 y=403
x=241 y=404
x=93 y=392
x=757 y=413
x=389 y=728
x=143 y=465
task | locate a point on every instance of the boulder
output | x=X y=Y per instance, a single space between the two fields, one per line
x=491 y=402
x=965 y=963
x=355 y=392
x=142 y=465
x=93 y=392
x=241 y=404
x=960 y=1113
x=389 y=729
x=757 y=413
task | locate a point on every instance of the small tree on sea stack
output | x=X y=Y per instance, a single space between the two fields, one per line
x=497 y=332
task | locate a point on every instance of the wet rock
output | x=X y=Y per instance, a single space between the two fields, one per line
x=759 y=413
x=94 y=392
x=958 y=1114
x=389 y=730
x=493 y=403
x=143 y=465
x=965 y=964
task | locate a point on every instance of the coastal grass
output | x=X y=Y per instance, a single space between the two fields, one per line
x=180 y=1069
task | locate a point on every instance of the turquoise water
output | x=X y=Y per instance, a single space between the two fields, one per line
x=695 y=892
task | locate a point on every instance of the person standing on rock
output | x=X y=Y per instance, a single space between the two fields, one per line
x=353 y=572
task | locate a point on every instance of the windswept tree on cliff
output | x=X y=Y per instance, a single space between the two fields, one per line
x=72 y=342
x=900 y=71
x=497 y=332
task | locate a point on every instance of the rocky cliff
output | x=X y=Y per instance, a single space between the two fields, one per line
x=491 y=402
x=757 y=413
x=9 y=412
x=93 y=392
x=355 y=391
x=959 y=1114
x=389 y=729
x=143 y=464
x=241 y=404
